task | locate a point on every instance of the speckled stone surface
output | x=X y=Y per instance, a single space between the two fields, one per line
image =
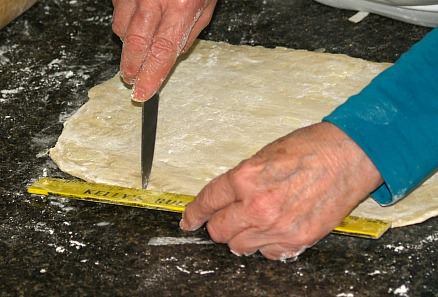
x=51 y=246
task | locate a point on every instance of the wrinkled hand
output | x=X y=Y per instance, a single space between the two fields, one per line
x=288 y=196
x=154 y=33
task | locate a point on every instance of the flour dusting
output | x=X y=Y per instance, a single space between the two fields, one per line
x=157 y=241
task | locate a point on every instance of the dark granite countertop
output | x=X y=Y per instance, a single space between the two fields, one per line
x=51 y=246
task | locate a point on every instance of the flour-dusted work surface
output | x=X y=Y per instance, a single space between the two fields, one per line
x=52 y=55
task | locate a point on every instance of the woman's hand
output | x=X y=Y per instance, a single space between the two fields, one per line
x=288 y=196
x=154 y=33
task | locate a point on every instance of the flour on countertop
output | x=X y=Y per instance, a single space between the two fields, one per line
x=177 y=241
x=402 y=291
x=77 y=244
x=375 y=272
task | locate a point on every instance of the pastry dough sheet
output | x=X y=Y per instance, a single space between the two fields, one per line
x=221 y=104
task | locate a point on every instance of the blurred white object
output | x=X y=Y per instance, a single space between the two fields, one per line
x=358 y=17
x=419 y=12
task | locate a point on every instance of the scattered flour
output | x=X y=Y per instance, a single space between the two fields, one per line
x=375 y=272
x=3 y=58
x=421 y=244
x=157 y=241
x=66 y=74
x=60 y=249
x=202 y=272
x=182 y=269
x=41 y=227
x=55 y=62
x=42 y=153
x=433 y=238
x=396 y=249
x=61 y=203
x=170 y=259
x=12 y=91
x=77 y=244
x=401 y=291
x=198 y=271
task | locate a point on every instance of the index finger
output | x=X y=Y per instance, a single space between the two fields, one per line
x=165 y=46
x=215 y=196
x=138 y=39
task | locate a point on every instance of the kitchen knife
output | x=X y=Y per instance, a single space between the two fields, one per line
x=148 y=132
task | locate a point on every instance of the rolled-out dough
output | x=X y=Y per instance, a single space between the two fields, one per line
x=220 y=105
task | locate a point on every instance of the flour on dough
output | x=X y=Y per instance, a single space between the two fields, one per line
x=220 y=105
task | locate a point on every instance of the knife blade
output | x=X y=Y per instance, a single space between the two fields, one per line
x=148 y=132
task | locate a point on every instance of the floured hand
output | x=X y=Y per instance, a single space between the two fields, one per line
x=288 y=196
x=154 y=33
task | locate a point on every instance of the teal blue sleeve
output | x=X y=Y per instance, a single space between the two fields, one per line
x=395 y=120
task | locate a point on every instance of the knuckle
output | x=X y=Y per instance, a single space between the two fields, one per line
x=135 y=43
x=263 y=210
x=212 y=195
x=245 y=166
x=129 y=69
x=205 y=198
x=163 y=50
x=214 y=233
x=246 y=174
x=184 y=4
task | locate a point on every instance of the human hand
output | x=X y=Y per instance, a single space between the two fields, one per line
x=154 y=33
x=286 y=197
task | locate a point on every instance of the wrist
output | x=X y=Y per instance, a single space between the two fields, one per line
x=348 y=156
x=354 y=159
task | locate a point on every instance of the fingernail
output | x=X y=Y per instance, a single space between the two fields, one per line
x=248 y=253
x=127 y=81
x=235 y=253
x=292 y=256
x=286 y=258
x=183 y=226
x=138 y=96
x=301 y=250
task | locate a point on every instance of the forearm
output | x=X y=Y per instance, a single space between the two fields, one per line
x=395 y=120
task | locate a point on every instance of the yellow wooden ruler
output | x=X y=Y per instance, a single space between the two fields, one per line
x=351 y=225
